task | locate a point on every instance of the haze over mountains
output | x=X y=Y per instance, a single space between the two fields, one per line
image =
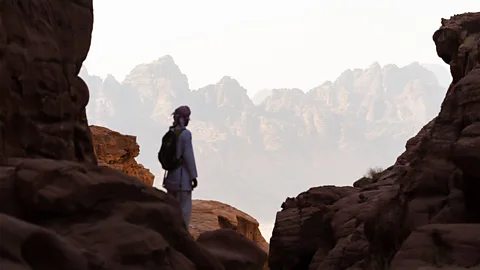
x=257 y=151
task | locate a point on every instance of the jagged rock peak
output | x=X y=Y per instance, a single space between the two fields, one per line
x=375 y=66
x=162 y=67
x=111 y=79
x=228 y=82
x=166 y=59
x=287 y=91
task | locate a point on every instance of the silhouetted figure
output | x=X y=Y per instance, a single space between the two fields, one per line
x=178 y=160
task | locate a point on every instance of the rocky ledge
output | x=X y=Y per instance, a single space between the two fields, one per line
x=421 y=213
x=118 y=151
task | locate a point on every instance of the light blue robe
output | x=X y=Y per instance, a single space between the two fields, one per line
x=181 y=178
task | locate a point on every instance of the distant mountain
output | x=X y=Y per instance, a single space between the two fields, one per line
x=292 y=140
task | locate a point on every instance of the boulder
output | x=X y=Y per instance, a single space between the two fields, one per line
x=208 y=215
x=235 y=251
x=97 y=217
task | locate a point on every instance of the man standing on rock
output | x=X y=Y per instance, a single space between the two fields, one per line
x=178 y=161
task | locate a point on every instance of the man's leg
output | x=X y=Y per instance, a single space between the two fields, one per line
x=185 y=199
x=172 y=193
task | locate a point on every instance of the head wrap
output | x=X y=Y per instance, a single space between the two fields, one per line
x=181 y=116
x=182 y=111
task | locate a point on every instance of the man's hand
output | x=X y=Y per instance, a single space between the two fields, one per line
x=194 y=183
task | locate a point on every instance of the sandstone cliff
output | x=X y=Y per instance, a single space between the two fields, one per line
x=58 y=209
x=423 y=212
x=118 y=151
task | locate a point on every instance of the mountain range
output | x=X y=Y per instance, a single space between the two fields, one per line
x=257 y=151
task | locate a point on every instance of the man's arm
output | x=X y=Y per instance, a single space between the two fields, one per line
x=188 y=155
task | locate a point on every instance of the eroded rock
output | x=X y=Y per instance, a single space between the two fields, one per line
x=210 y=215
x=42 y=99
x=99 y=217
x=428 y=200
x=58 y=208
x=118 y=151
x=234 y=250
x=440 y=245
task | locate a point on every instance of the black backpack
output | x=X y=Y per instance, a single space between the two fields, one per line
x=168 y=151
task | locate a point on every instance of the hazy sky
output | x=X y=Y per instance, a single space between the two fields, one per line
x=266 y=43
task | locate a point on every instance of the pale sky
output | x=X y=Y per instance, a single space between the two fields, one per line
x=266 y=43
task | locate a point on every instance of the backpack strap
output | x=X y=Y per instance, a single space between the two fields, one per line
x=178 y=132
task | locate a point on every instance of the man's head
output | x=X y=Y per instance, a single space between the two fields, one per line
x=181 y=116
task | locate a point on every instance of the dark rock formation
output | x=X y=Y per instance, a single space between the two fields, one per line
x=99 y=217
x=213 y=215
x=424 y=211
x=42 y=99
x=58 y=208
x=118 y=151
x=208 y=216
x=246 y=254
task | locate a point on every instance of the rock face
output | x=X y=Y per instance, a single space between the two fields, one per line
x=246 y=254
x=213 y=215
x=118 y=151
x=42 y=99
x=98 y=217
x=58 y=208
x=422 y=212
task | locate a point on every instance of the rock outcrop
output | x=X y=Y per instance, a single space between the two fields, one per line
x=421 y=213
x=210 y=216
x=42 y=99
x=82 y=216
x=118 y=151
x=213 y=215
x=58 y=208
x=233 y=250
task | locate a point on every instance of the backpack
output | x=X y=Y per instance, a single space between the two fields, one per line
x=168 y=151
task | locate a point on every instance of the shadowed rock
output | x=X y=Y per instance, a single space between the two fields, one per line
x=423 y=212
x=58 y=209
x=42 y=99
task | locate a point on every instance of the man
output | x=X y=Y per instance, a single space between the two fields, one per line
x=179 y=162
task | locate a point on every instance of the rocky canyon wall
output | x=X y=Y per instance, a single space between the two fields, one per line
x=421 y=213
x=42 y=99
x=58 y=209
